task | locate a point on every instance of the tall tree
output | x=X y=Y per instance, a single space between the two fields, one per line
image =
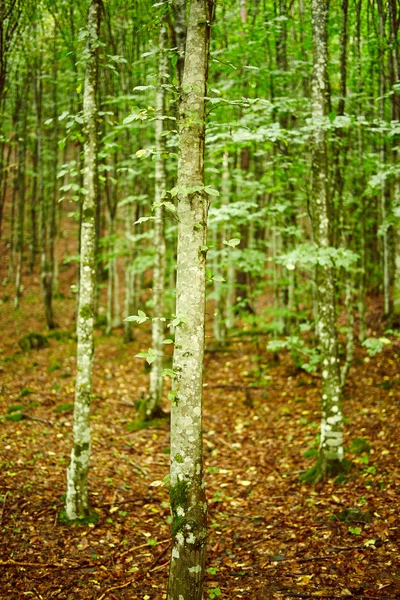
x=77 y=501
x=153 y=402
x=331 y=445
x=188 y=501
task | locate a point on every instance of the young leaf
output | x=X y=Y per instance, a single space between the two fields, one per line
x=232 y=243
x=150 y=355
x=168 y=372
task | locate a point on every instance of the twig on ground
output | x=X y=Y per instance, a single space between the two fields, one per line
x=14 y=563
x=343 y=548
x=159 y=567
x=31 y=418
x=115 y=587
x=146 y=544
x=159 y=556
x=136 y=501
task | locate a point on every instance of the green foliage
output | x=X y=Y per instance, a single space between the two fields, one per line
x=353 y=515
x=90 y=519
x=308 y=255
x=359 y=445
x=319 y=472
x=15 y=408
x=150 y=355
x=64 y=408
x=141 y=424
x=15 y=416
x=33 y=341
x=140 y=318
x=303 y=356
x=375 y=345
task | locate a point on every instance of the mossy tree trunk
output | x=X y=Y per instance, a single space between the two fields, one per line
x=188 y=501
x=331 y=447
x=77 y=501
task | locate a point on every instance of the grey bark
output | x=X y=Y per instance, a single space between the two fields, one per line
x=77 y=501
x=331 y=446
x=188 y=501
x=153 y=402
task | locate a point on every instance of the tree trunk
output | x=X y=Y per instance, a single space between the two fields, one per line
x=77 y=501
x=188 y=502
x=331 y=446
x=21 y=202
x=153 y=402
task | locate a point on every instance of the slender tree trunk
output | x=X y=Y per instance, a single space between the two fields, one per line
x=179 y=12
x=188 y=501
x=45 y=228
x=384 y=208
x=331 y=446
x=21 y=180
x=77 y=501
x=153 y=402
x=129 y=289
x=11 y=263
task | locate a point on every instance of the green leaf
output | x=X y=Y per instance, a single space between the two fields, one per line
x=218 y=278
x=172 y=396
x=177 y=321
x=168 y=372
x=152 y=542
x=355 y=530
x=150 y=355
x=141 y=317
x=143 y=220
x=232 y=243
x=211 y=191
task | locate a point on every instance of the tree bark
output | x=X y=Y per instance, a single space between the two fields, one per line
x=77 y=501
x=153 y=403
x=331 y=446
x=188 y=501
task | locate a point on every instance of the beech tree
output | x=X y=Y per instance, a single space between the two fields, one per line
x=152 y=405
x=188 y=501
x=331 y=444
x=77 y=500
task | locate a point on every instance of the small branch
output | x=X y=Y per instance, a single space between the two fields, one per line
x=120 y=503
x=141 y=546
x=344 y=548
x=30 y=418
x=116 y=587
x=159 y=556
x=159 y=567
x=12 y=563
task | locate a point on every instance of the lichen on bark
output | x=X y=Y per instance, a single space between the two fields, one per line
x=77 y=499
x=331 y=445
x=190 y=508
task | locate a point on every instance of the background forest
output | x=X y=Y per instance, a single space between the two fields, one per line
x=145 y=215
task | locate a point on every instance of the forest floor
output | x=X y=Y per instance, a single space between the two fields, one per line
x=270 y=536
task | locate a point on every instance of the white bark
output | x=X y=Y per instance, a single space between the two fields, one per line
x=331 y=446
x=153 y=403
x=188 y=502
x=77 y=501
